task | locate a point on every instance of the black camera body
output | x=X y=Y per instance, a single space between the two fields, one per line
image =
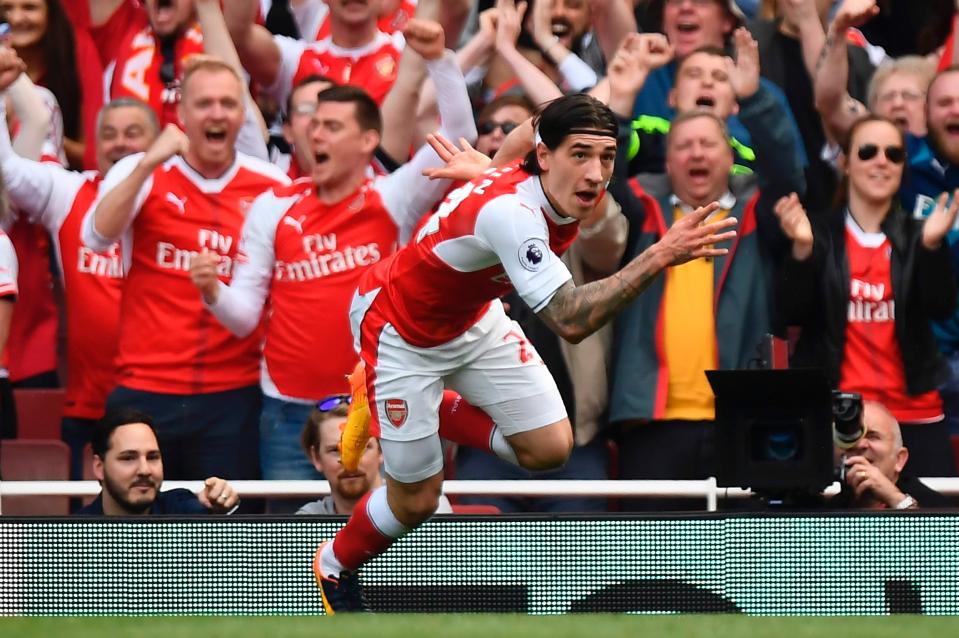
x=776 y=430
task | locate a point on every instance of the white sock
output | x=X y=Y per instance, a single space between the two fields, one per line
x=330 y=566
x=501 y=447
x=382 y=517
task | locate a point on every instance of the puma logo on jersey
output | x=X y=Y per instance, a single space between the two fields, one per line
x=295 y=223
x=179 y=202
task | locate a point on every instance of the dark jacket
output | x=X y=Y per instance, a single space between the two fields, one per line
x=815 y=295
x=744 y=278
x=178 y=501
x=925 y=496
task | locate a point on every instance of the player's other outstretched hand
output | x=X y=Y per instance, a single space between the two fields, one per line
x=462 y=164
x=693 y=236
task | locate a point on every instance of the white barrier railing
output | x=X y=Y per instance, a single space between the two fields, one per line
x=706 y=489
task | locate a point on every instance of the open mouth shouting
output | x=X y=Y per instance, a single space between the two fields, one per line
x=215 y=134
x=705 y=102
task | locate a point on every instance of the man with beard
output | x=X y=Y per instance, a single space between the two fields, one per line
x=320 y=440
x=127 y=462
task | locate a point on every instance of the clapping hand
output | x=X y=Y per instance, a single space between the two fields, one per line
x=940 y=221
x=795 y=225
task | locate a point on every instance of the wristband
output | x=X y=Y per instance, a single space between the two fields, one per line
x=906 y=503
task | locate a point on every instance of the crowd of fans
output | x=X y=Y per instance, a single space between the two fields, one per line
x=193 y=188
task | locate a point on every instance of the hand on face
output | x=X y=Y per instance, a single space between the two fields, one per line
x=867 y=480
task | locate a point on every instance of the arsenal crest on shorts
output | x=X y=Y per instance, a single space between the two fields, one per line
x=396 y=411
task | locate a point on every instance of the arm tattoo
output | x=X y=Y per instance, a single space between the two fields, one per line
x=826 y=49
x=854 y=106
x=579 y=311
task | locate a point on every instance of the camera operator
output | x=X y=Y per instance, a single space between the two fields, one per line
x=874 y=477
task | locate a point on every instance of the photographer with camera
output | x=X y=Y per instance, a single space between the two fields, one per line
x=874 y=477
x=863 y=281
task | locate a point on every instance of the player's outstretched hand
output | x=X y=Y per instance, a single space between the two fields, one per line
x=462 y=164
x=426 y=37
x=204 y=275
x=692 y=237
x=218 y=496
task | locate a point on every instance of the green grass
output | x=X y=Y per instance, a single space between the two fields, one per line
x=483 y=626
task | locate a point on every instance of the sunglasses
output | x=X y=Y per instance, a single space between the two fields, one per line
x=488 y=127
x=333 y=401
x=895 y=154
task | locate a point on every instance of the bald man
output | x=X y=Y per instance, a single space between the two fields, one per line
x=874 y=469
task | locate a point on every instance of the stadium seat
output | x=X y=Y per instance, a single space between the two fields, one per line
x=39 y=412
x=34 y=460
x=474 y=509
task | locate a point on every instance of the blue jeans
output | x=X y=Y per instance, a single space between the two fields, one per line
x=76 y=433
x=281 y=456
x=202 y=435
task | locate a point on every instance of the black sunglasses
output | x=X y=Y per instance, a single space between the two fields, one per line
x=488 y=127
x=895 y=154
x=333 y=401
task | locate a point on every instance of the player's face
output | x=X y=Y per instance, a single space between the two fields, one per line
x=211 y=112
x=575 y=175
x=355 y=11
x=349 y=485
x=27 y=20
x=169 y=16
x=297 y=128
x=703 y=82
x=875 y=179
x=569 y=19
x=942 y=114
x=691 y=24
x=123 y=131
x=132 y=470
x=902 y=99
x=341 y=148
x=698 y=160
x=510 y=115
